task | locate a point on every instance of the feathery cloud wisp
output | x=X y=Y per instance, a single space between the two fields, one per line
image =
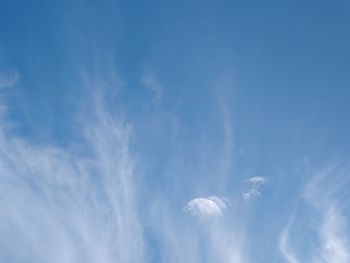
x=335 y=245
x=284 y=245
x=321 y=195
x=61 y=206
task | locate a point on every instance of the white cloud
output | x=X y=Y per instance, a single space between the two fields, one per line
x=59 y=205
x=335 y=245
x=321 y=194
x=284 y=245
x=212 y=206
x=252 y=193
x=257 y=180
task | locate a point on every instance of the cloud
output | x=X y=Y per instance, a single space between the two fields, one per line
x=8 y=79
x=64 y=205
x=212 y=206
x=252 y=193
x=322 y=193
x=256 y=182
x=335 y=245
x=222 y=243
x=284 y=245
x=322 y=197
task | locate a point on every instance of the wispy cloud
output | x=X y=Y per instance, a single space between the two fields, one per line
x=322 y=194
x=257 y=180
x=255 y=183
x=59 y=205
x=335 y=244
x=252 y=193
x=224 y=244
x=284 y=245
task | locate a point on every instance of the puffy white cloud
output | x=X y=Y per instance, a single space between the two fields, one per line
x=212 y=206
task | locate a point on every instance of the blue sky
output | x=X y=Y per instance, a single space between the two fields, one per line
x=174 y=131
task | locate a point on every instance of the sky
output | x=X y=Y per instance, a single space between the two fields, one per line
x=174 y=131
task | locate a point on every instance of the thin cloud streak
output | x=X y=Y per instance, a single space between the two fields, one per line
x=62 y=206
x=284 y=245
